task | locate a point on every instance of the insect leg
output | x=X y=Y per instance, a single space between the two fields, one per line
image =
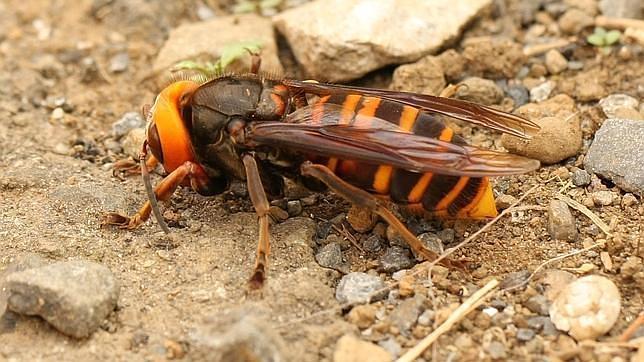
x=258 y=197
x=163 y=191
x=364 y=199
x=129 y=167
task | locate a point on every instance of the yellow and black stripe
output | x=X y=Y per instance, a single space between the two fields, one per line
x=436 y=194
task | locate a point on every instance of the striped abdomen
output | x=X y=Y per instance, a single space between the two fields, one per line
x=439 y=195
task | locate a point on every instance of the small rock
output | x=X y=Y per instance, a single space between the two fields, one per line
x=519 y=94
x=496 y=350
x=555 y=62
x=358 y=287
x=525 y=334
x=580 y=178
x=504 y=201
x=558 y=139
x=294 y=207
x=537 y=322
x=406 y=286
x=373 y=243
x=424 y=76
x=204 y=12
x=330 y=256
x=603 y=198
x=362 y=316
x=631 y=266
x=561 y=222
x=278 y=213
x=390 y=345
x=195 y=41
x=353 y=349
x=394 y=259
x=452 y=64
x=21 y=262
x=129 y=121
x=541 y=92
x=57 y=114
x=538 y=304
x=406 y=313
x=447 y=236
x=479 y=90
x=427 y=317
x=587 y=308
x=614 y=102
x=616 y=153
x=622 y=8
x=574 y=21
x=629 y=200
x=73 y=296
x=119 y=63
x=371 y=35
x=236 y=333
x=432 y=242
x=361 y=219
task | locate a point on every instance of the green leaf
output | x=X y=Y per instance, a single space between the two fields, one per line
x=612 y=37
x=600 y=31
x=269 y=4
x=596 y=40
x=235 y=51
x=244 y=7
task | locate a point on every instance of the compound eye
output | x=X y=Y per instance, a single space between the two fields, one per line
x=155 y=142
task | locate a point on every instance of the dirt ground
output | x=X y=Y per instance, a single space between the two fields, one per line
x=56 y=182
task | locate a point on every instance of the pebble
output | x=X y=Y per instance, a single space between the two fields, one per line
x=425 y=76
x=432 y=242
x=580 y=178
x=616 y=154
x=57 y=114
x=603 y=198
x=622 y=8
x=453 y=64
x=235 y=333
x=541 y=92
x=427 y=317
x=294 y=207
x=538 y=304
x=586 y=308
x=614 y=102
x=330 y=256
x=372 y=35
x=19 y=263
x=357 y=287
x=525 y=334
x=561 y=222
x=209 y=38
x=394 y=259
x=128 y=122
x=373 y=243
x=504 y=201
x=629 y=200
x=493 y=58
x=573 y=21
x=362 y=316
x=73 y=296
x=390 y=345
x=479 y=90
x=353 y=349
x=406 y=314
x=361 y=219
x=519 y=94
x=496 y=350
x=119 y=63
x=631 y=266
x=555 y=62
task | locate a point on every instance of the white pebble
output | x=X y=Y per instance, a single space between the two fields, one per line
x=586 y=308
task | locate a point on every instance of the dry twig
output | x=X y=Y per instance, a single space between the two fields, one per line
x=618 y=23
x=463 y=310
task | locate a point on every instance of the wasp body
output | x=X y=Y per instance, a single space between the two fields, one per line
x=364 y=144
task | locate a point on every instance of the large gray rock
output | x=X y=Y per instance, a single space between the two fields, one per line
x=73 y=296
x=206 y=40
x=617 y=153
x=339 y=40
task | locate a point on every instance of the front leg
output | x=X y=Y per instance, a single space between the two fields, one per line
x=258 y=197
x=361 y=198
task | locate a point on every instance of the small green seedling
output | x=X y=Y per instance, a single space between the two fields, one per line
x=257 y=6
x=229 y=54
x=602 y=38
